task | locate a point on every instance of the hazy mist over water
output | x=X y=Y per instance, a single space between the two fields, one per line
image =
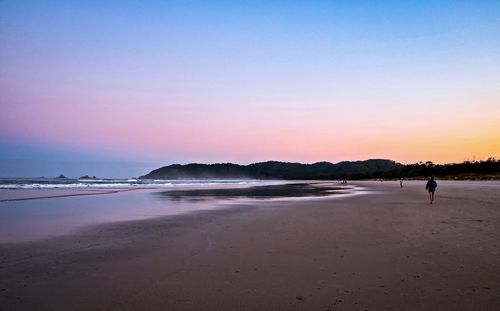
x=73 y=168
x=36 y=160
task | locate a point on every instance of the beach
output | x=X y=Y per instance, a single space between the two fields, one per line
x=385 y=248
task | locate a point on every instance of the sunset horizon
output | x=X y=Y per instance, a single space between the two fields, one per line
x=208 y=82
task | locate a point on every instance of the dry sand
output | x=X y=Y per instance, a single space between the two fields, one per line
x=386 y=250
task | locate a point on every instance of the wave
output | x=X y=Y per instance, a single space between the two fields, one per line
x=69 y=183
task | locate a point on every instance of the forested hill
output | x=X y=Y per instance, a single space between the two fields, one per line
x=375 y=168
x=275 y=170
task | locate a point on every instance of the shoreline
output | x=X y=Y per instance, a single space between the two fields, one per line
x=43 y=213
x=386 y=250
x=18 y=194
x=12 y=195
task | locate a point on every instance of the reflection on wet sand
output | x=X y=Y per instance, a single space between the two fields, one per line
x=291 y=190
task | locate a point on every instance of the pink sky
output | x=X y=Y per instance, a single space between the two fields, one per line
x=170 y=83
x=246 y=132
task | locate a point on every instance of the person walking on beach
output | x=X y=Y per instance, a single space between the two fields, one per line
x=401 y=182
x=431 y=186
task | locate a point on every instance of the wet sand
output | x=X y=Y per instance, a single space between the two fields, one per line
x=385 y=250
x=9 y=195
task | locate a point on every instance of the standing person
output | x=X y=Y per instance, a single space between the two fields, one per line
x=401 y=182
x=431 y=186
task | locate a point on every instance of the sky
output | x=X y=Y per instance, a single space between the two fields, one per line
x=117 y=88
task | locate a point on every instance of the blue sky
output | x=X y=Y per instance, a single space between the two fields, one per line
x=87 y=83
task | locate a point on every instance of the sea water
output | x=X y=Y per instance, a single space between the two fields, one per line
x=52 y=183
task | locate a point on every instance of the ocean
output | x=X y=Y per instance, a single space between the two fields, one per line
x=71 y=183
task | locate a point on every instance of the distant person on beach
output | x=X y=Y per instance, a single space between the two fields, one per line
x=401 y=182
x=431 y=187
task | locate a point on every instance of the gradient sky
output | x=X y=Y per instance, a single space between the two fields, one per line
x=117 y=88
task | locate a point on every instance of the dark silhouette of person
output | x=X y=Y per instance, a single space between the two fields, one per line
x=431 y=187
x=401 y=182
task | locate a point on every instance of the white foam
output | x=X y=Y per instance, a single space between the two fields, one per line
x=120 y=183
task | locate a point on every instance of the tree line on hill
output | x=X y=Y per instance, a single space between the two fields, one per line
x=369 y=169
x=485 y=169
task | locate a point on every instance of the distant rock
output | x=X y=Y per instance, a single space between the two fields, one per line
x=61 y=176
x=87 y=177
